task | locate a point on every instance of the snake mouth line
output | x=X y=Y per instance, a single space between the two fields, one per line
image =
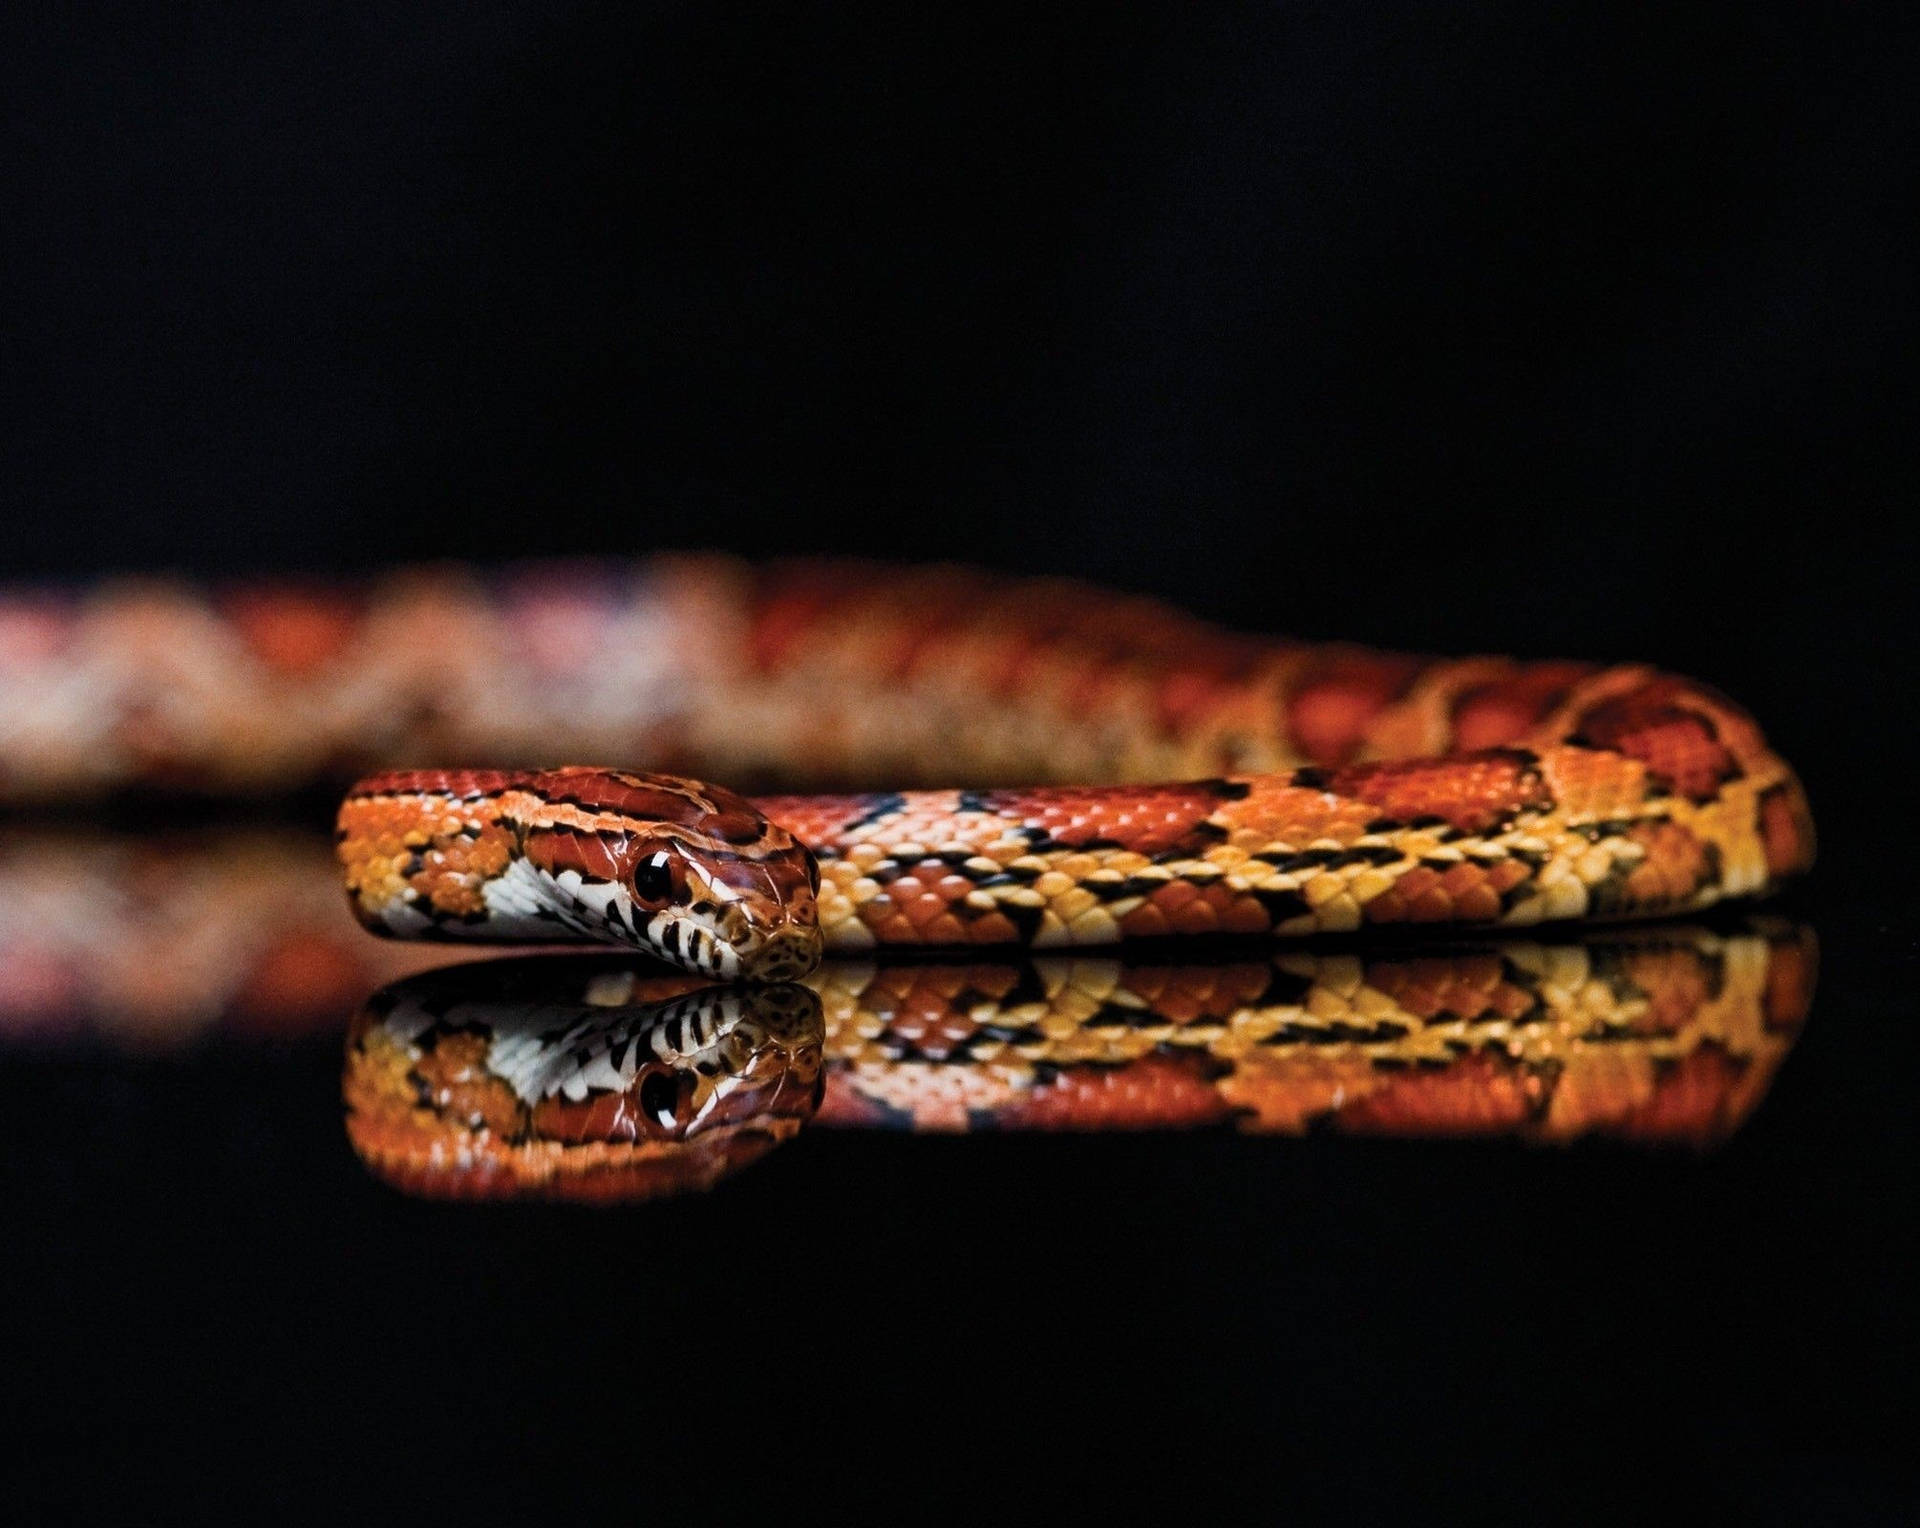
x=784 y=955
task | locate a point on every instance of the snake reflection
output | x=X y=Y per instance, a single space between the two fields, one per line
x=606 y=1078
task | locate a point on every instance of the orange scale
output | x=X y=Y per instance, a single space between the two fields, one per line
x=1416 y=882
x=891 y=927
x=1506 y=875
x=1431 y=906
x=1388 y=907
x=1200 y=916
x=926 y=907
x=992 y=928
x=1653 y=885
x=1245 y=915
x=945 y=929
x=1164 y=989
x=1145 y=922
x=1173 y=896
x=1477 y=904
x=1594 y=786
x=1328 y=712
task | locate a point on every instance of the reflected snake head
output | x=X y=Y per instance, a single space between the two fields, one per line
x=595 y=1078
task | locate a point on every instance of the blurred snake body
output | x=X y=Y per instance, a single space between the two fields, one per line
x=1024 y=731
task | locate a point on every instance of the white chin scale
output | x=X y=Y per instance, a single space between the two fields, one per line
x=678 y=938
x=524 y=903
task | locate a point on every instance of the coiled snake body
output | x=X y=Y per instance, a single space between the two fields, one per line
x=1328 y=789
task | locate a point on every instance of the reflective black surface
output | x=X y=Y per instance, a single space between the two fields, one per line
x=1172 y=1318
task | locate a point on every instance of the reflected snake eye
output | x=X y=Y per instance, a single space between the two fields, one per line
x=653 y=878
x=660 y=1099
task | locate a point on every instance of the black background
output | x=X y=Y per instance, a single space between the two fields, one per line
x=1451 y=327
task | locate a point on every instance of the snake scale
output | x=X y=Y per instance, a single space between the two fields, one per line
x=1025 y=730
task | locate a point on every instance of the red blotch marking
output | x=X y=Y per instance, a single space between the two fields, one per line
x=1333 y=703
x=1212 y=677
x=1473 y=793
x=1148 y=819
x=1791 y=966
x=1786 y=830
x=293 y=631
x=1692 y=1100
x=1505 y=711
x=301 y=977
x=1679 y=745
x=783 y=618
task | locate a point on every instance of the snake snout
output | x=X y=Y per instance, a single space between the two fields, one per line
x=787 y=955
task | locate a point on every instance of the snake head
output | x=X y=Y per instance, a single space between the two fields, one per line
x=597 y=1078
x=686 y=871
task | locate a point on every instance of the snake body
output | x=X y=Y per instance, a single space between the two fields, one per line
x=1325 y=788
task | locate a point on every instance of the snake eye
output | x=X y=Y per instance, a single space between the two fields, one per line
x=653 y=878
x=661 y=1097
x=667 y=1098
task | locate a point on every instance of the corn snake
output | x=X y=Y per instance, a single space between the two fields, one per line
x=1330 y=789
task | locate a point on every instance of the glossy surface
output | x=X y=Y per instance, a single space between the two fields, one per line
x=600 y=1078
x=1084 y=1184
